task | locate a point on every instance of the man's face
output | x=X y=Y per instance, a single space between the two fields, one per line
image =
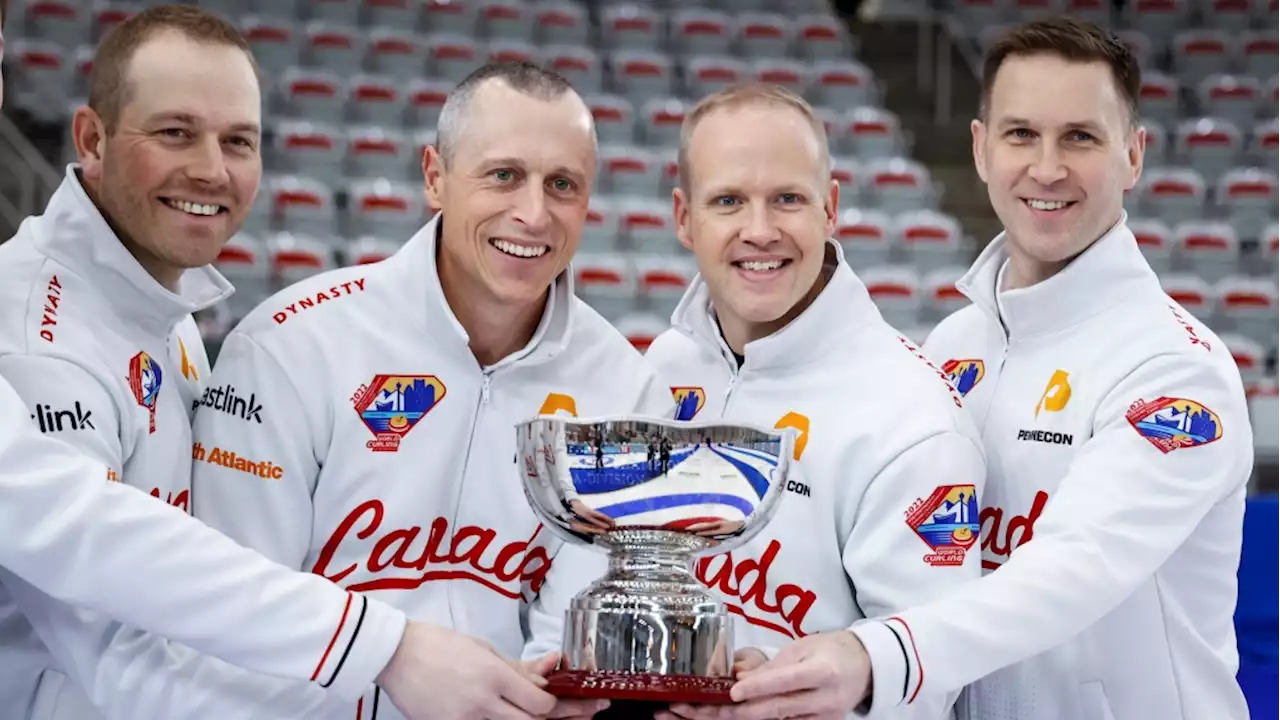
x=514 y=193
x=756 y=210
x=1057 y=154
x=180 y=172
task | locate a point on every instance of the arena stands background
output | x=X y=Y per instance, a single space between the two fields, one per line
x=354 y=88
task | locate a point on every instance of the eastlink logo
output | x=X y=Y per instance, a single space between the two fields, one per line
x=224 y=399
x=51 y=420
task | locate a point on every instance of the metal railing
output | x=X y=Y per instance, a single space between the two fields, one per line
x=939 y=34
x=27 y=180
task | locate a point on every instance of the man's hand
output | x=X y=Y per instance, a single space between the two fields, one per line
x=820 y=676
x=538 y=669
x=745 y=661
x=593 y=521
x=441 y=674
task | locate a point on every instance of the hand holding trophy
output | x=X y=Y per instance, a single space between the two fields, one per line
x=655 y=496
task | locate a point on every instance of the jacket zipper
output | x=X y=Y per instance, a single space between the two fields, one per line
x=481 y=401
x=728 y=393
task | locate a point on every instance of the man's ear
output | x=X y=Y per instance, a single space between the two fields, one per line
x=89 y=136
x=433 y=171
x=979 y=132
x=680 y=211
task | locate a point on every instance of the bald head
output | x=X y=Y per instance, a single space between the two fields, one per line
x=751 y=96
x=522 y=77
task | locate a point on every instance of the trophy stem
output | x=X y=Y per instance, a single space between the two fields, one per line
x=649 y=613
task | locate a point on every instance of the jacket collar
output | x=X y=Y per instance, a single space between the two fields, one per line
x=842 y=308
x=73 y=232
x=415 y=265
x=1107 y=273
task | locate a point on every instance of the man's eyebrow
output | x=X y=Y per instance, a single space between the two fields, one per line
x=189 y=119
x=1089 y=125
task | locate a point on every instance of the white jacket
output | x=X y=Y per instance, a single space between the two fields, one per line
x=58 y=538
x=382 y=456
x=107 y=360
x=1121 y=606
x=854 y=534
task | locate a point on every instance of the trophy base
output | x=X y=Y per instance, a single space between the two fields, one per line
x=643 y=687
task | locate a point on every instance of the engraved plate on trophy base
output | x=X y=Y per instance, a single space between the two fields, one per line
x=647 y=687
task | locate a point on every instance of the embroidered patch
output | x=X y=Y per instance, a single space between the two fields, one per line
x=948 y=522
x=145 y=377
x=391 y=405
x=965 y=374
x=689 y=401
x=1173 y=423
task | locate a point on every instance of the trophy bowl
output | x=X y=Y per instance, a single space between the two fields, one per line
x=654 y=496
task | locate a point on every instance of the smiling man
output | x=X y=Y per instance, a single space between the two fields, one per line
x=96 y=294
x=1117 y=433
x=778 y=331
x=389 y=413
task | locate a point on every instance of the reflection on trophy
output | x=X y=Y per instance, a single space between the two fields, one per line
x=655 y=496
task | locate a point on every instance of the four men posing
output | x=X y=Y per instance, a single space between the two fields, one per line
x=386 y=428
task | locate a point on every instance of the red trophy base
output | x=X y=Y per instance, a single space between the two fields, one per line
x=644 y=687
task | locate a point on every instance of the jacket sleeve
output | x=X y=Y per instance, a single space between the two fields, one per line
x=202 y=577
x=1129 y=499
x=126 y=673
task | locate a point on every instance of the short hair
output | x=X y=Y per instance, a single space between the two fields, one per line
x=1072 y=40
x=109 y=87
x=742 y=95
x=520 y=75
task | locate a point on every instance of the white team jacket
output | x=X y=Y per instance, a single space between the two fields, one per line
x=882 y=510
x=110 y=362
x=58 y=539
x=1117 y=432
x=351 y=432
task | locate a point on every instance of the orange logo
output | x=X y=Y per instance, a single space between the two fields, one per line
x=1056 y=394
x=556 y=403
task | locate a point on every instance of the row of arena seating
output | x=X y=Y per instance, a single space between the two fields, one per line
x=1211 y=146
x=910 y=264
x=398 y=90
x=637 y=185
x=1242 y=99
x=1160 y=20
x=749 y=28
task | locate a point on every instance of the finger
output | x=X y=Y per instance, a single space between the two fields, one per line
x=578 y=708
x=519 y=690
x=767 y=681
x=500 y=709
x=801 y=704
x=543 y=666
x=685 y=711
x=748 y=659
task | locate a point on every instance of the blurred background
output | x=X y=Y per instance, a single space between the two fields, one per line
x=354 y=88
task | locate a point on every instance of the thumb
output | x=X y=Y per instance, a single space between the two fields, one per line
x=790 y=654
x=544 y=665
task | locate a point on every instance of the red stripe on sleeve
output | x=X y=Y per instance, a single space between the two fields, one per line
x=333 y=641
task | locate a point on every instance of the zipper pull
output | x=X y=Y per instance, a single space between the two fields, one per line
x=733 y=380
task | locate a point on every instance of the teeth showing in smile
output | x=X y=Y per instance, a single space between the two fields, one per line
x=759 y=265
x=193 y=208
x=511 y=248
x=1047 y=204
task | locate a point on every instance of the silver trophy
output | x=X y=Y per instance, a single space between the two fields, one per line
x=655 y=496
